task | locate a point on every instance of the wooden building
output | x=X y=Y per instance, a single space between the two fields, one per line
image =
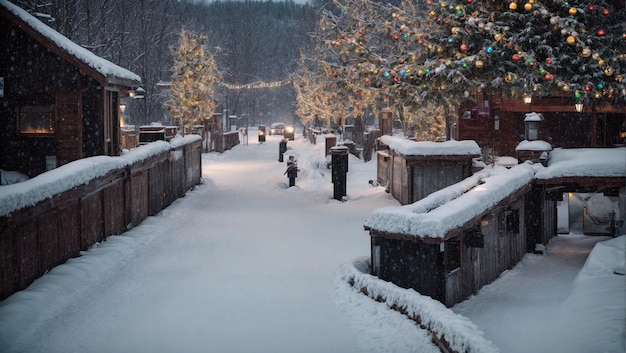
x=58 y=101
x=413 y=170
x=497 y=123
x=451 y=243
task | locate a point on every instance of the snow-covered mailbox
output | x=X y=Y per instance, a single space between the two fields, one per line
x=59 y=102
x=412 y=170
x=456 y=240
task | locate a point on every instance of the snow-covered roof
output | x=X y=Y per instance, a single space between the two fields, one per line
x=450 y=208
x=536 y=145
x=100 y=65
x=584 y=162
x=428 y=148
x=532 y=116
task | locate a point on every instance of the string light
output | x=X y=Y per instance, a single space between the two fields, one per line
x=258 y=84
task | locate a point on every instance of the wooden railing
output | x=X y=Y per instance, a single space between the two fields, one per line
x=35 y=238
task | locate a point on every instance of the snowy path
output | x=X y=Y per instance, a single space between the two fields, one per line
x=542 y=309
x=240 y=264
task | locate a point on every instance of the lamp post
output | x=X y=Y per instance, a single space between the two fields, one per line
x=579 y=106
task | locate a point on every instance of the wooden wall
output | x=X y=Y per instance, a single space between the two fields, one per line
x=410 y=179
x=503 y=248
x=35 y=239
x=410 y=263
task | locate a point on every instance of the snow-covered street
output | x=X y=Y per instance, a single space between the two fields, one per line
x=244 y=264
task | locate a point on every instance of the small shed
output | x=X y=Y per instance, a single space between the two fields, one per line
x=59 y=102
x=412 y=170
x=456 y=240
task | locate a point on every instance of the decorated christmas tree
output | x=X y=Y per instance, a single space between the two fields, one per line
x=428 y=56
x=191 y=97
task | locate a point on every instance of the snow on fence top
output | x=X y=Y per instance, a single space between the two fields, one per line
x=101 y=65
x=452 y=207
x=584 y=162
x=68 y=176
x=429 y=148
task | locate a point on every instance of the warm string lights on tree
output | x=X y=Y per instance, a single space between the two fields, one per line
x=191 y=95
x=443 y=52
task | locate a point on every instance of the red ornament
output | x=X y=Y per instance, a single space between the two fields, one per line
x=548 y=77
x=515 y=57
x=591 y=7
x=601 y=33
x=335 y=74
x=367 y=80
x=587 y=88
x=605 y=12
x=470 y=1
x=420 y=41
x=401 y=61
x=549 y=61
x=463 y=47
x=396 y=37
x=396 y=79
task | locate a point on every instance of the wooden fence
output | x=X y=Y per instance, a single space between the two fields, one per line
x=35 y=239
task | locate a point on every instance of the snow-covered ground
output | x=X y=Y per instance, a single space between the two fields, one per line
x=244 y=264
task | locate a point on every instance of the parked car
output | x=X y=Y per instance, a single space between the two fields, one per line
x=289 y=132
x=277 y=129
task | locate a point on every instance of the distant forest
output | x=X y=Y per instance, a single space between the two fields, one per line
x=251 y=40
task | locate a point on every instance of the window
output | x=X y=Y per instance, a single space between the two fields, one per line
x=512 y=221
x=36 y=120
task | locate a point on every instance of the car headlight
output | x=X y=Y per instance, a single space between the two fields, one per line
x=289 y=129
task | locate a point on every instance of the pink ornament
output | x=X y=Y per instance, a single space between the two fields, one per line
x=601 y=33
x=463 y=47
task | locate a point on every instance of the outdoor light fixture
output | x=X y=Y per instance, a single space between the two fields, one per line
x=579 y=107
x=139 y=93
x=527 y=99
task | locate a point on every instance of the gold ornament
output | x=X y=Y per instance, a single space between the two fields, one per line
x=571 y=40
x=479 y=64
x=497 y=37
x=513 y=6
x=608 y=71
x=586 y=52
x=572 y=11
x=528 y=6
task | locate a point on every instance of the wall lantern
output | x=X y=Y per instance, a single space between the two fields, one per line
x=579 y=107
x=139 y=93
x=527 y=98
